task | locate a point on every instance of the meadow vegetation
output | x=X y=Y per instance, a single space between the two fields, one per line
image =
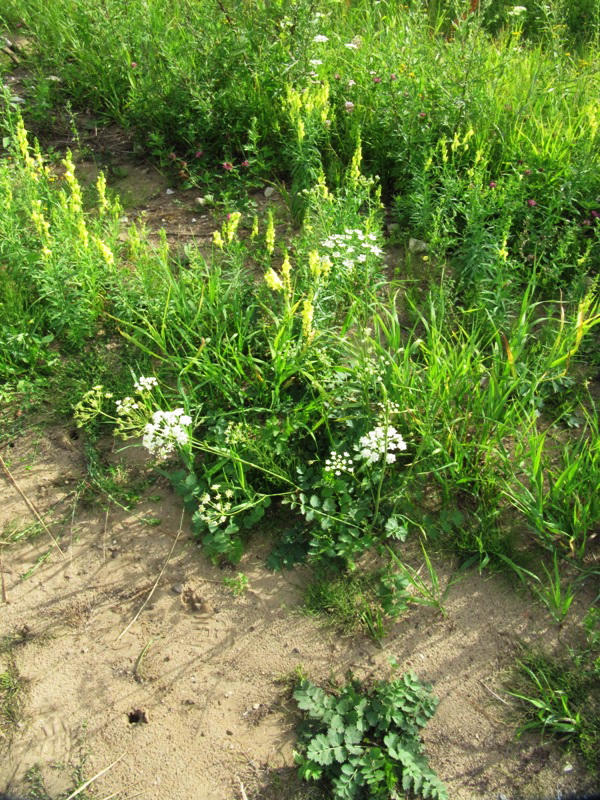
x=416 y=357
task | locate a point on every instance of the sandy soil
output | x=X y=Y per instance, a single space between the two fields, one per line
x=214 y=714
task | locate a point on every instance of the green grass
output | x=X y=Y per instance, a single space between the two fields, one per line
x=559 y=695
x=361 y=601
x=12 y=698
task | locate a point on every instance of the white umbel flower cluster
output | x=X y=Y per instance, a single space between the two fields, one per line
x=126 y=406
x=338 y=463
x=351 y=248
x=214 y=509
x=143 y=384
x=166 y=432
x=380 y=443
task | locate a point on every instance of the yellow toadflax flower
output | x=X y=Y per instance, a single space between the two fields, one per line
x=230 y=227
x=286 y=271
x=273 y=280
x=270 y=233
x=105 y=252
x=82 y=230
x=308 y=313
x=101 y=189
x=314 y=263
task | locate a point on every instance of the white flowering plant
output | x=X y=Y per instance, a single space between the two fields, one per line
x=349 y=497
x=222 y=511
x=164 y=433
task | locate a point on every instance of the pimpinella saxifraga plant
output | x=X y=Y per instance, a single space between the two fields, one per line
x=365 y=742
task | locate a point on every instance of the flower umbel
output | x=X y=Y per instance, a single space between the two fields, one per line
x=339 y=462
x=143 y=384
x=166 y=432
x=380 y=443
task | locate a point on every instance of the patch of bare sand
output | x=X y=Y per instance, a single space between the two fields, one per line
x=204 y=667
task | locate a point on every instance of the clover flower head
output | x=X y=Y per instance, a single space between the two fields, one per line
x=319 y=38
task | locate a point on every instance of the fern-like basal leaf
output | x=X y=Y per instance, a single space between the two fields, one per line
x=403 y=750
x=307 y=769
x=325 y=749
x=337 y=722
x=336 y=739
x=419 y=778
x=372 y=766
x=314 y=701
x=352 y=739
x=320 y=750
x=348 y=784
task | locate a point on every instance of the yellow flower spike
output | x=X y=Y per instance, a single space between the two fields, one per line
x=286 y=271
x=354 y=173
x=46 y=252
x=444 y=149
x=24 y=144
x=254 y=232
x=326 y=266
x=39 y=160
x=218 y=240
x=273 y=281
x=105 y=252
x=322 y=187
x=75 y=199
x=455 y=142
x=82 y=231
x=308 y=313
x=42 y=225
x=314 y=263
x=101 y=189
x=230 y=226
x=468 y=135
x=270 y=233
